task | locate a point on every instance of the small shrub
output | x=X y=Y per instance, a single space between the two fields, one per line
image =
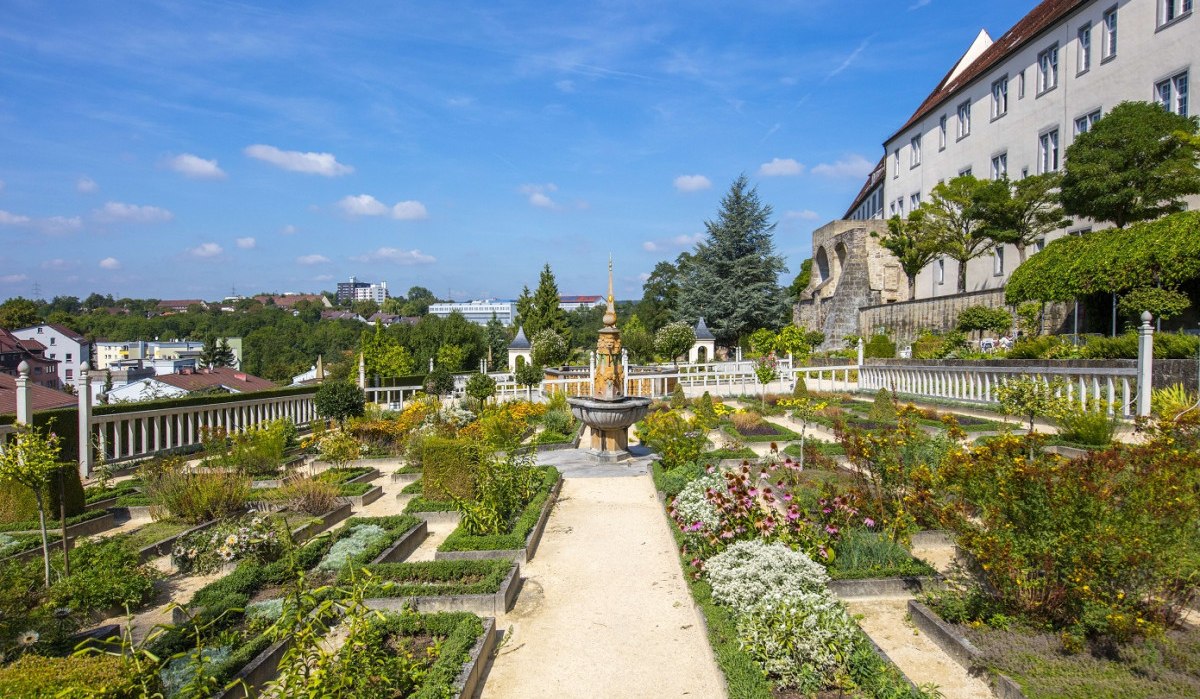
x=104 y=574
x=193 y=497
x=880 y=347
x=691 y=507
x=559 y=421
x=1093 y=427
x=361 y=536
x=883 y=410
x=251 y=537
x=750 y=572
x=803 y=643
x=339 y=400
x=100 y=676
x=678 y=400
x=448 y=467
x=800 y=390
x=752 y=424
x=703 y=407
x=311 y=495
x=678 y=441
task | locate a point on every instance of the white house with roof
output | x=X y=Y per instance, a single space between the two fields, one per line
x=705 y=347
x=520 y=351
x=1012 y=106
x=64 y=345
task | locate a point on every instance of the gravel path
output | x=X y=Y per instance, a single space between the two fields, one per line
x=605 y=611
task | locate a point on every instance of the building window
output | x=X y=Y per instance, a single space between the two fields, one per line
x=998 y=261
x=1000 y=97
x=70 y=374
x=1172 y=94
x=999 y=166
x=914 y=201
x=1024 y=172
x=1171 y=10
x=1048 y=152
x=1021 y=85
x=900 y=206
x=942 y=133
x=964 y=172
x=964 y=119
x=39 y=331
x=892 y=209
x=896 y=163
x=940 y=271
x=1085 y=49
x=1039 y=245
x=914 y=158
x=68 y=356
x=1048 y=69
x=1085 y=123
x=1109 y=48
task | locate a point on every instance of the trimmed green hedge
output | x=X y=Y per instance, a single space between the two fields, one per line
x=435 y=578
x=782 y=434
x=18 y=504
x=349 y=490
x=52 y=521
x=341 y=475
x=449 y=466
x=414 y=488
x=460 y=631
x=420 y=504
x=101 y=676
x=459 y=540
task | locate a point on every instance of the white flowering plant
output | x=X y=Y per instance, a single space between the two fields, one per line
x=260 y=537
x=753 y=571
x=691 y=509
x=804 y=643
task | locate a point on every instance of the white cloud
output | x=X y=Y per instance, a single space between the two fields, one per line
x=644 y=277
x=323 y=278
x=56 y=225
x=780 y=167
x=692 y=183
x=803 y=215
x=679 y=241
x=115 y=211
x=362 y=205
x=110 y=263
x=288 y=230
x=567 y=86
x=409 y=211
x=195 y=167
x=13 y=278
x=58 y=264
x=246 y=243
x=324 y=164
x=206 y=250
x=850 y=59
x=397 y=256
x=459 y=102
x=86 y=185
x=312 y=260
x=539 y=194
x=918 y=5
x=8 y=219
x=853 y=165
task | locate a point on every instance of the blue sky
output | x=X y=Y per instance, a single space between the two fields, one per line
x=182 y=149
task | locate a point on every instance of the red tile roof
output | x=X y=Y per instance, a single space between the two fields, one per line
x=579 y=299
x=42 y=398
x=238 y=381
x=289 y=300
x=1026 y=30
x=62 y=329
x=873 y=180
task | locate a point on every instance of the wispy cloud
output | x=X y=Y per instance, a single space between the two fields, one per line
x=289 y=229
x=853 y=165
x=849 y=61
x=58 y=264
x=247 y=243
x=918 y=5
x=115 y=211
x=195 y=167
x=367 y=205
x=10 y=219
x=802 y=215
x=324 y=164
x=53 y=225
x=780 y=167
x=110 y=263
x=539 y=194
x=86 y=185
x=679 y=241
x=313 y=259
x=206 y=250
x=13 y=278
x=396 y=256
x=692 y=183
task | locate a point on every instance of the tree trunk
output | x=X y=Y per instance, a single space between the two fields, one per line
x=1021 y=253
x=912 y=287
x=962 y=276
x=62 y=520
x=37 y=493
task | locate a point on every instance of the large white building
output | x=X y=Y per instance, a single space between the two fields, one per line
x=480 y=311
x=64 y=345
x=1012 y=106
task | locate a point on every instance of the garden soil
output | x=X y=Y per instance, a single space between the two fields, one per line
x=605 y=611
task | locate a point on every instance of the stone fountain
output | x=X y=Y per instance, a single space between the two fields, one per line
x=608 y=413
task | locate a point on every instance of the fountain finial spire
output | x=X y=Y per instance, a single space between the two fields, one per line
x=610 y=315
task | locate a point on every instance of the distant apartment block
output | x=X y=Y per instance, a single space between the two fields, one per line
x=165 y=356
x=572 y=303
x=480 y=311
x=61 y=344
x=355 y=290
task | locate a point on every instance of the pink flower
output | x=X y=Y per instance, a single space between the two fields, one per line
x=787 y=497
x=869 y=522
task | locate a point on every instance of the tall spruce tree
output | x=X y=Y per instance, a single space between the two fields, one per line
x=732 y=278
x=524 y=308
x=544 y=312
x=497 y=342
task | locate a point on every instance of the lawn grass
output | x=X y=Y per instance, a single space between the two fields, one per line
x=154 y=532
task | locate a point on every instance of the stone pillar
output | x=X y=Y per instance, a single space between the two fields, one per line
x=362 y=371
x=83 y=389
x=24 y=400
x=1145 y=364
x=861 y=352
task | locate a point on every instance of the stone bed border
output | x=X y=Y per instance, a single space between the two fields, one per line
x=330 y=518
x=35 y=552
x=163 y=547
x=866 y=588
x=491 y=604
x=960 y=648
x=88 y=527
x=403 y=547
x=521 y=555
x=361 y=501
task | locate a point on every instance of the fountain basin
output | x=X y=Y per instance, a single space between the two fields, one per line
x=609 y=421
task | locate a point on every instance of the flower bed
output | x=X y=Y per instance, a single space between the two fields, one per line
x=523 y=535
x=486 y=587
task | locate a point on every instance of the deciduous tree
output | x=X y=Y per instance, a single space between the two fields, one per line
x=955 y=213
x=674 y=339
x=914 y=243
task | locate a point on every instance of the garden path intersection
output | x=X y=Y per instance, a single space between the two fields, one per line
x=605 y=611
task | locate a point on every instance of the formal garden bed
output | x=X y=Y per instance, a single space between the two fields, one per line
x=487 y=587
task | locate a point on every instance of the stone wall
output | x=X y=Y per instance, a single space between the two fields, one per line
x=903 y=321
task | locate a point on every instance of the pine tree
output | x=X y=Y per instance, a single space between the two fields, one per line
x=544 y=313
x=497 y=341
x=524 y=308
x=732 y=278
x=216 y=354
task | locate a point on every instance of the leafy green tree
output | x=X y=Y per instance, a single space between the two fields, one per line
x=384 y=355
x=766 y=370
x=481 y=387
x=30 y=458
x=365 y=308
x=983 y=318
x=18 y=312
x=732 y=279
x=1029 y=398
x=674 y=339
x=584 y=324
x=497 y=342
x=638 y=340
x=800 y=283
x=339 y=400
x=1161 y=303
x=548 y=348
x=529 y=375
x=1026 y=211
x=417 y=301
x=439 y=382
x=797 y=341
x=913 y=242
x=955 y=214
x=451 y=357
x=1137 y=163
x=762 y=341
x=660 y=295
